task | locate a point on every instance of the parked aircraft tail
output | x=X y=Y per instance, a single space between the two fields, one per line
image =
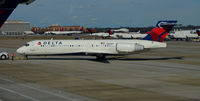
x=198 y=32
x=109 y=31
x=91 y=30
x=161 y=31
x=8 y=6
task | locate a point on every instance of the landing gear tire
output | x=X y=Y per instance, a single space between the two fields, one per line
x=3 y=57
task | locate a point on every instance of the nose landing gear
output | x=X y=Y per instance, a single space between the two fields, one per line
x=26 y=57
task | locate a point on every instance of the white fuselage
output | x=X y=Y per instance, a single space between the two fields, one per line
x=63 y=32
x=90 y=47
x=131 y=35
x=184 y=34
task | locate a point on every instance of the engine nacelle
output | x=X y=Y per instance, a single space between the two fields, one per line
x=128 y=48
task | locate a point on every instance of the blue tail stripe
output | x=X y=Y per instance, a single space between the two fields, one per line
x=148 y=37
x=162 y=35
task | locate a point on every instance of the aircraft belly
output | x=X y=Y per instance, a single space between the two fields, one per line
x=58 y=50
x=105 y=50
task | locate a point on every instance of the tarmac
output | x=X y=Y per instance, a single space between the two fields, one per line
x=169 y=74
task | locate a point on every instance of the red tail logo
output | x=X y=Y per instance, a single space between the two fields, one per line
x=198 y=32
x=162 y=30
x=159 y=34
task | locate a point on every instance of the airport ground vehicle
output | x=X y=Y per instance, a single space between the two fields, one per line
x=4 y=55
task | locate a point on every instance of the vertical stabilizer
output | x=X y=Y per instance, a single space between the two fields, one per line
x=161 y=31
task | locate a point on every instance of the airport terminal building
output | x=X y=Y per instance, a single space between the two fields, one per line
x=15 y=28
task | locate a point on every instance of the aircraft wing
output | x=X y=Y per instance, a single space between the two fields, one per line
x=27 y=2
x=8 y=6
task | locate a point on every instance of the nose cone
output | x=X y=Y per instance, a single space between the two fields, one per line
x=20 y=50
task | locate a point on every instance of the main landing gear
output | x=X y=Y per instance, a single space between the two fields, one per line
x=100 y=57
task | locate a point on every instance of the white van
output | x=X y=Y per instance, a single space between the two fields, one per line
x=4 y=55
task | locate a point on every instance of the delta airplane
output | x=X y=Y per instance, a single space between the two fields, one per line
x=8 y=6
x=121 y=33
x=99 y=48
x=62 y=32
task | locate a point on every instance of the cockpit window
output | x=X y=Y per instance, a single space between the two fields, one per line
x=26 y=45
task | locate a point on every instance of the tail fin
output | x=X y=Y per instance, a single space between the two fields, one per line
x=110 y=31
x=91 y=30
x=8 y=6
x=162 y=30
x=81 y=29
x=198 y=32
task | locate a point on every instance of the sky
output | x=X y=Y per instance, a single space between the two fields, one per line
x=108 y=13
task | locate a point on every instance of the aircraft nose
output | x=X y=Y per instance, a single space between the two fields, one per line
x=20 y=50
